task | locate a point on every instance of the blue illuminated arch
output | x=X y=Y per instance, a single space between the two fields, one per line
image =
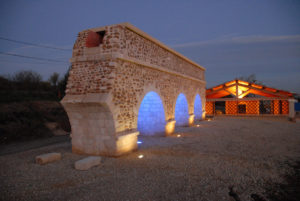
x=181 y=111
x=198 y=108
x=151 y=117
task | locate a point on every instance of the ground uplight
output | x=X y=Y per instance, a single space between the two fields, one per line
x=141 y=156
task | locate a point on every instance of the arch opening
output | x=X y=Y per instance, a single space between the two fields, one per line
x=198 y=107
x=151 y=116
x=181 y=111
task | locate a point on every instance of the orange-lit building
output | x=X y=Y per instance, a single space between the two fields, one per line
x=239 y=97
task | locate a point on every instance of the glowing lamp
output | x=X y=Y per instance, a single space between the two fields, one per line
x=139 y=142
x=141 y=156
x=178 y=135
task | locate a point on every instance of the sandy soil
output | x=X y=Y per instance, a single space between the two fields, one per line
x=247 y=153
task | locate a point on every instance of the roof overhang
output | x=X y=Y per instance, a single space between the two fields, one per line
x=240 y=89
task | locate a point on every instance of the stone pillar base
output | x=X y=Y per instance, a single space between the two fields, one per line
x=93 y=126
x=203 y=114
x=170 y=127
x=122 y=143
x=191 y=120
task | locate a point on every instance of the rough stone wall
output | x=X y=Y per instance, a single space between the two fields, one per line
x=98 y=71
x=90 y=77
x=116 y=75
x=111 y=42
x=142 y=49
x=134 y=81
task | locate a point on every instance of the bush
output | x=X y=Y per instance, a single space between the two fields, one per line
x=26 y=120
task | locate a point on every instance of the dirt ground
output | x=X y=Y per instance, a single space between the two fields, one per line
x=248 y=153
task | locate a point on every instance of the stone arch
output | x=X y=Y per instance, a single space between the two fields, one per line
x=140 y=98
x=151 y=115
x=181 y=110
x=198 y=107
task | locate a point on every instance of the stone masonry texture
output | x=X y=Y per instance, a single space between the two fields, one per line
x=107 y=84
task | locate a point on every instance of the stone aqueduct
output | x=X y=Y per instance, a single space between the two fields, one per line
x=114 y=68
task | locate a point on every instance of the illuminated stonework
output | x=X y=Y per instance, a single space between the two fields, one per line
x=111 y=74
x=151 y=116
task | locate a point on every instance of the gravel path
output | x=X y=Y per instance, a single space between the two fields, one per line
x=24 y=146
x=246 y=153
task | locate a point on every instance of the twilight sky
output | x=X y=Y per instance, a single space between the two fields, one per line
x=229 y=38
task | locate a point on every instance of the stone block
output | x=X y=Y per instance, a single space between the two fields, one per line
x=87 y=163
x=47 y=158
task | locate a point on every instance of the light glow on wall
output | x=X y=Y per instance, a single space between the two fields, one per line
x=181 y=111
x=170 y=127
x=198 y=108
x=151 y=117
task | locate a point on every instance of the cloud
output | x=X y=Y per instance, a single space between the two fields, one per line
x=266 y=39
x=241 y=40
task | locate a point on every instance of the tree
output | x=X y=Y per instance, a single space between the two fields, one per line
x=27 y=77
x=251 y=78
x=54 y=79
x=62 y=84
x=27 y=80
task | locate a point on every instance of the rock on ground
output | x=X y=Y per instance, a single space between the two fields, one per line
x=87 y=163
x=47 y=158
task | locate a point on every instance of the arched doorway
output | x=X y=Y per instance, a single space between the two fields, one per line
x=181 y=111
x=151 y=116
x=198 y=108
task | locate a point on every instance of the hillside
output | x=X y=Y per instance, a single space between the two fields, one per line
x=23 y=121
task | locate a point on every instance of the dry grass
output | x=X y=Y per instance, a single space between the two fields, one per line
x=200 y=165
